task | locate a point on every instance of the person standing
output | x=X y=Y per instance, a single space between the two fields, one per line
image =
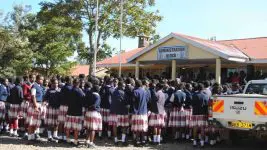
x=139 y=120
x=200 y=111
x=35 y=110
x=26 y=86
x=157 y=116
x=4 y=93
x=74 y=114
x=175 y=122
x=15 y=99
x=93 y=118
x=119 y=113
x=65 y=94
x=52 y=98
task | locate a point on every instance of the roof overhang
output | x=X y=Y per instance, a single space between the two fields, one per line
x=115 y=65
x=189 y=41
x=258 y=61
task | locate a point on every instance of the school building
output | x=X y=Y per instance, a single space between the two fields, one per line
x=192 y=57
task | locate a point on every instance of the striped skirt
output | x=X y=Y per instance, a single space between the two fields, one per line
x=139 y=123
x=51 y=116
x=2 y=110
x=156 y=120
x=93 y=121
x=34 y=117
x=63 y=109
x=118 y=120
x=104 y=113
x=24 y=109
x=73 y=123
x=14 y=110
x=199 y=121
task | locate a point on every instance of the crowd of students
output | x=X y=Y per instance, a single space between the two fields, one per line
x=122 y=108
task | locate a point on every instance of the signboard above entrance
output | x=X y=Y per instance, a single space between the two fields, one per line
x=172 y=52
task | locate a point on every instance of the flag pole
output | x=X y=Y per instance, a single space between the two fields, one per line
x=121 y=17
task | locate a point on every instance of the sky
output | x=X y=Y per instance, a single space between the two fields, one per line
x=225 y=19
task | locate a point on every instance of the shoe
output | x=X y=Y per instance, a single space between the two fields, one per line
x=125 y=143
x=52 y=140
x=37 y=136
x=116 y=143
x=194 y=143
x=91 y=145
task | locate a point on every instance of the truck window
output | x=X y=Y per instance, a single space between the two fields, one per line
x=257 y=89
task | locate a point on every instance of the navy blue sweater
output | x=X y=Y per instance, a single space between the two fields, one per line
x=179 y=98
x=119 y=103
x=76 y=102
x=4 y=92
x=52 y=97
x=200 y=103
x=188 y=99
x=141 y=98
x=94 y=102
x=106 y=93
x=16 y=95
x=65 y=94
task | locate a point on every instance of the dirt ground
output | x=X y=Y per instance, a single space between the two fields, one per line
x=11 y=143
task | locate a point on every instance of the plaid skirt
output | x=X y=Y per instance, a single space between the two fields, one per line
x=118 y=120
x=93 y=121
x=2 y=110
x=104 y=113
x=34 y=117
x=139 y=123
x=175 y=118
x=73 y=123
x=51 y=116
x=199 y=121
x=24 y=109
x=156 y=120
x=14 y=110
x=63 y=109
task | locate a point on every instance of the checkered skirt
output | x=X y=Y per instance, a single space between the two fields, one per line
x=156 y=120
x=73 y=123
x=2 y=110
x=104 y=113
x=63 y=109
x=14 y=110
x=24 y=109
x=118 y=120
x=199 y=121
x=34 y=117
x=139 y=123
x=93 y=121
x=51 y=116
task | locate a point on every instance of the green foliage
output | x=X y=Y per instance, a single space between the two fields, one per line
x=15 y=55
x=137 y=20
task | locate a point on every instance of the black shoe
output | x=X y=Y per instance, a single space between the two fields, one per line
x=52 y=140
x=116 y=143
x=125 y=143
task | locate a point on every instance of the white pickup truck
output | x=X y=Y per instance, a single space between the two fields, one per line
x=242 y=112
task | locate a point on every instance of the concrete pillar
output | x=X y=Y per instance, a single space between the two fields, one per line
x=137 y=65
x=173 y=69
x=218 y=70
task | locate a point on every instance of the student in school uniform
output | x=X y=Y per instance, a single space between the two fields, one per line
x=93 y=118
x=52 y=98
x=139 y=118
x=177 y=99
x=105 y=93
x=26 y=86
x=65 y=93
x=199 y=117
x=119 y=113
x=35 y=109
x=74 y=114
x=188 y=109
x=4 y=93
x=157 y=116
x=15 y=99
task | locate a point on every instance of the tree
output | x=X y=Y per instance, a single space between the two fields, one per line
x=15 y=55
x=54 y=38
x=137 y=20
